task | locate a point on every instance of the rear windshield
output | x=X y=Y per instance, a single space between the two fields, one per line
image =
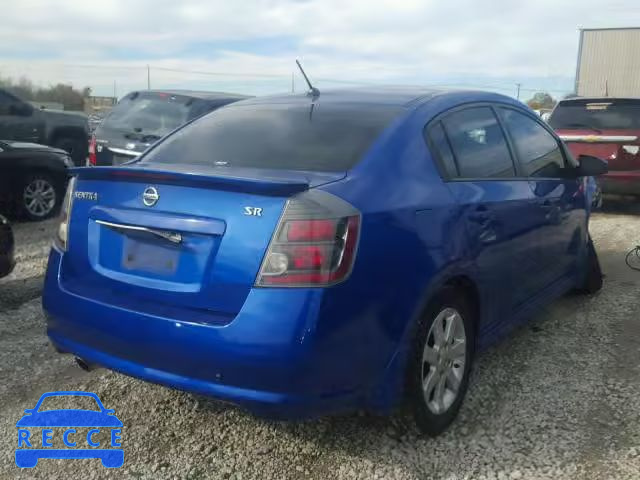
x=598 y=114
x=278 y=136
x=149 y=113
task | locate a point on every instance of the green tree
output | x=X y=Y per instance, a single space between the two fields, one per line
x=71 y=98
x=542 y=100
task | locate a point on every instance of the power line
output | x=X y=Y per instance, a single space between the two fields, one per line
x=222 y=74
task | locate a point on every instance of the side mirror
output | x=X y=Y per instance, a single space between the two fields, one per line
x=591 y=166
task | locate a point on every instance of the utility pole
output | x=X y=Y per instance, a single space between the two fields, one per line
x=293 y=84
x=115 y=94
x=148 y=77
x=518 y=85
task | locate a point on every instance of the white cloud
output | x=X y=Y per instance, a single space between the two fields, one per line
x=408 y=41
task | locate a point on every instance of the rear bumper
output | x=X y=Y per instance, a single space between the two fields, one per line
x=620 y=183
x=270 y=359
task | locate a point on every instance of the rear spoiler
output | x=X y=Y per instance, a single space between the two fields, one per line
x=285 y=183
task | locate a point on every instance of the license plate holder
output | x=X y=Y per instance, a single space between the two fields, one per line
x=149 y=256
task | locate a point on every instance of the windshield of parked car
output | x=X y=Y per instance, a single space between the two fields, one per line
x=149 y=113
x=597 y=114
x=278 y=136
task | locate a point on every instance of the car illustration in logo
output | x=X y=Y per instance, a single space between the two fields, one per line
x=69 y=425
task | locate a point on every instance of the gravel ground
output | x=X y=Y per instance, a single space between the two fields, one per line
x=559 y=399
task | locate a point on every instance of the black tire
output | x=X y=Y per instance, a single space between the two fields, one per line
x=53 y=204
x=593 y=276
x=77 y=148
x=427 y=421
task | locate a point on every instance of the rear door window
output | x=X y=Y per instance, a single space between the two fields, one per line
x=478 y=144
x=538 y=151
x=322 y=137
x=597 y=114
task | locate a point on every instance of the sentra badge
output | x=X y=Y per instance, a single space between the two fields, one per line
x=93 y=196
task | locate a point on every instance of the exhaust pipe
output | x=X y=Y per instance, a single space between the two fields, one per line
x=84 y=365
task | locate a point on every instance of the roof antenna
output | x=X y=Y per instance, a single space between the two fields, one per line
x=313 y=91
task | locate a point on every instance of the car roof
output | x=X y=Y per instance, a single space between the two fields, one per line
x=408 y=97
x=392 y=96
x=204 y=95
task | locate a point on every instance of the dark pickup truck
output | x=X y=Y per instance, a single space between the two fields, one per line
x=20 y=121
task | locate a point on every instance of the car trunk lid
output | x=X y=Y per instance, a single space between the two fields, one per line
x=195 y=244
x=621 y=148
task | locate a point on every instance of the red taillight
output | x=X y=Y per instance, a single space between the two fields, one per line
x=313 y=251
x=310 y=230
x=92 y=152
x=309 y=257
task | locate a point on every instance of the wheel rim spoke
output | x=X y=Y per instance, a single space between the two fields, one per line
x=458 y=350
x=453 y=381
x=440 y=393
x=430 y=356
x=450 y=326
x=429 y=384
x=438 y=329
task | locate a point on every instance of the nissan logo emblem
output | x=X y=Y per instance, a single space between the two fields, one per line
x=150 y=196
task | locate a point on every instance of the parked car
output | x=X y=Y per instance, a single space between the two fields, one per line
x=360 y=247
x=32 y=179
x=142 y=118
x=608 y=128
x=20 y=121
x=7 y=258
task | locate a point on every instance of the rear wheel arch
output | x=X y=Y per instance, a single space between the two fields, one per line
x=469 y=289
x=462 y=283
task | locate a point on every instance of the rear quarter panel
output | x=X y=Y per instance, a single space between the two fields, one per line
x=411 y=238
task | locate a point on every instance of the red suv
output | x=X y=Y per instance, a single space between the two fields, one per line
x=608 y=128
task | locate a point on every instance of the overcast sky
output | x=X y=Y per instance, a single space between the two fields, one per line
x=485 y=44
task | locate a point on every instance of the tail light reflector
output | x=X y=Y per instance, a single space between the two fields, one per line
x=93 y=160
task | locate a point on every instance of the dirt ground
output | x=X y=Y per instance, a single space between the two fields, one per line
x=559 y=399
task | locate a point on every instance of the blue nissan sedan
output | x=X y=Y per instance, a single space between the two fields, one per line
x=301 y=255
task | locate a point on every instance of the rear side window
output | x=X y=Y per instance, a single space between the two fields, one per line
x=438 y=141
x=538 y=151
x=479 y=144
x=597 y=114
x=278 y=136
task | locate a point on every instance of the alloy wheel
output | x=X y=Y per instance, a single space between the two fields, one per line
x=39 y=197
x=443 y=361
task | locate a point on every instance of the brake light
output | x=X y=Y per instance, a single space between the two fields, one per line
x=314 y=243
x=92 y=152
x=310 y=230
x=62 y=234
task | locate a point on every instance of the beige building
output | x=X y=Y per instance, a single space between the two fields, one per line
x=98 y=104
x=609 y=62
